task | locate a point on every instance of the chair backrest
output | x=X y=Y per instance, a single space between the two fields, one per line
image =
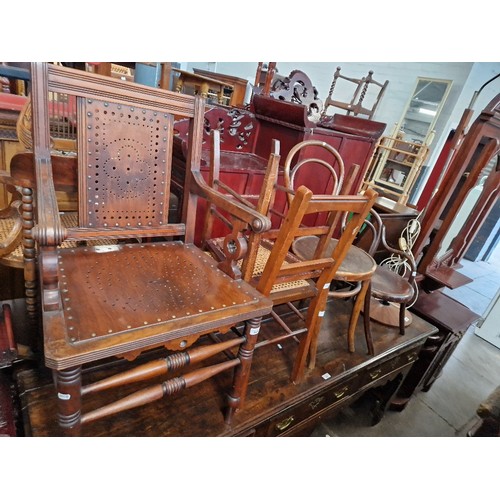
x=125 y=141
x=358 y=103
x=302 y=164
x=400 y=260
x=321 y=267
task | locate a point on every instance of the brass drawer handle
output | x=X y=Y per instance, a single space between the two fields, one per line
x=375 y=374
x=338 y=394
x=284 y=424
x=316 y=402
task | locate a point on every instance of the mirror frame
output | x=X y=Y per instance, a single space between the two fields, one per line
x=486 y=131
x=430 y=130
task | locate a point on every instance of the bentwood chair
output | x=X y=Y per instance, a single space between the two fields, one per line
x=352 y=279
x=154 y=289
x=265 y=260
x=393 y=287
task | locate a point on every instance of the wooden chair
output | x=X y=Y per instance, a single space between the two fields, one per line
x=393 y=282
x=265 y=260
x=121 y=300
x=357 y=105
x=354 y=273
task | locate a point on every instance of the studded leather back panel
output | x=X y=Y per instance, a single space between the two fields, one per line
x=124 y=165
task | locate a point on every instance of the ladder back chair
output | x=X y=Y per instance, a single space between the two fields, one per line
x=265 y=259
x=358 y=103
x=121 y=300
x=356 y=269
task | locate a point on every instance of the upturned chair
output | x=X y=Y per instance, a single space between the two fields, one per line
x=358 y=104
x=121 y=300
x=265 y=259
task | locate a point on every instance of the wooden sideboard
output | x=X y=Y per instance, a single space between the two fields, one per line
x=274 y=406
x=246 y=140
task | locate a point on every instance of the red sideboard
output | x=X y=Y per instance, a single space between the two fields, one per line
x=246 y=137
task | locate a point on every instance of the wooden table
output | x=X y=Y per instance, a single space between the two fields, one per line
x=201 y=83
x=274 y=406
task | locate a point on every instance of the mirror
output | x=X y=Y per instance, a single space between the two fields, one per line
x=451 y=249
x=422 y=110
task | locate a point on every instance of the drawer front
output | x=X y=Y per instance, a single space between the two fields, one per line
x=393 y=365
x=285 y=421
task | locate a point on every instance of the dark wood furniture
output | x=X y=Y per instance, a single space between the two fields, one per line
x=274 y=406
x=236 y=87
x=478 y=148
x=392 y=287
x=452 y=320
x=246 y=143
x=172 y=293
x=297 y=88
x=202 y=84
x=396 y=218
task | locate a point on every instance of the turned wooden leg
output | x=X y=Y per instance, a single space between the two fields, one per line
x=366 y=318
x=236 y=397
x=204 y=90
x=179 y=84
x=356 y=310
x=402 y=314
x=68 y=389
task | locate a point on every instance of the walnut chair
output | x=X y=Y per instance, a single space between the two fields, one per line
x=354 y=273
x=265 y=259
x=155 y=289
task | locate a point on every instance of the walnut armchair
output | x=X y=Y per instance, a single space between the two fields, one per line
x=153 y=290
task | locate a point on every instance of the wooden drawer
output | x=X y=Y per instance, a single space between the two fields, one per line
x=393 y=365
x=284 y=422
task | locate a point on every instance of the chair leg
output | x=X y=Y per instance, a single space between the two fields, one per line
x=353 y=321
x=237 y=395
x=402 y=314
x=68 y=388
x=366 y=320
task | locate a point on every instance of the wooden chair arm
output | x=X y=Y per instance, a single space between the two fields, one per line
x=258 y=223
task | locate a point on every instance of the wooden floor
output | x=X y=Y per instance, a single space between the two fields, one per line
x=198 y=411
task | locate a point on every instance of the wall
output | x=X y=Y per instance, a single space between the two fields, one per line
x=467 y=77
